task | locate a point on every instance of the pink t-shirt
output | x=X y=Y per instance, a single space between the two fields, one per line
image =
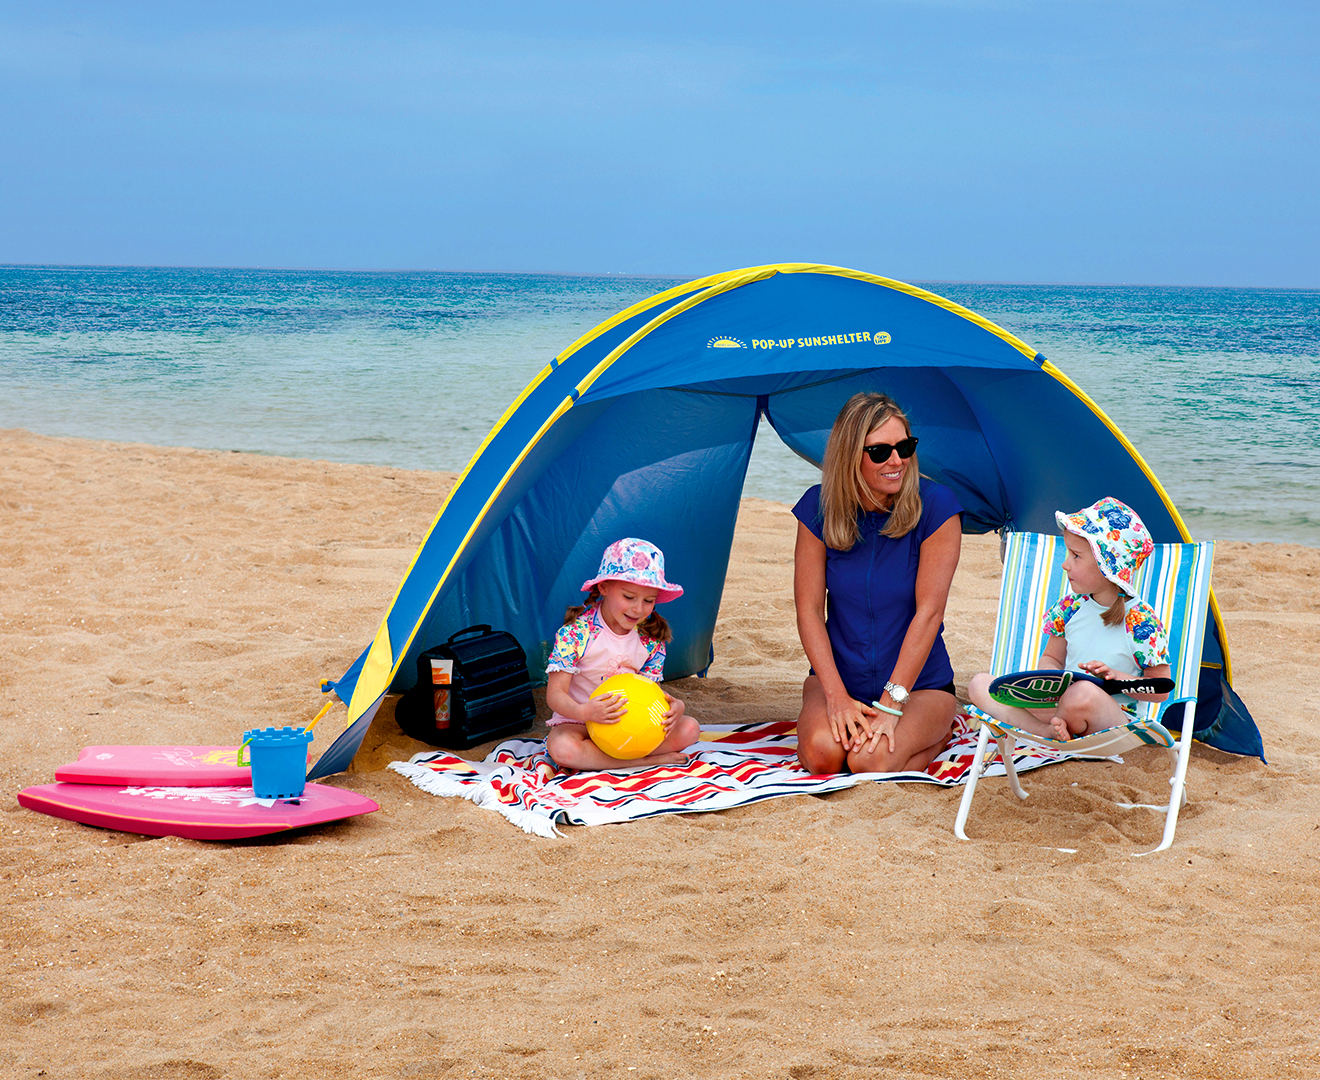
x=606 y=654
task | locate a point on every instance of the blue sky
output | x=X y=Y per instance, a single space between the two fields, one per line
x=1158 y=142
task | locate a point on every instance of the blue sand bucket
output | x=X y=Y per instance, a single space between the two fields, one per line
x=278 y=760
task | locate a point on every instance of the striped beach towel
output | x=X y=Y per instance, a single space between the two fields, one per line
x=732 y=765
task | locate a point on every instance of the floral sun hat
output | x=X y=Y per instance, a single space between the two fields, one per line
x=1118 y=538
x=637 y=561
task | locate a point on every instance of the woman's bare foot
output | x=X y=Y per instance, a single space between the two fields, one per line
x=1060 y=729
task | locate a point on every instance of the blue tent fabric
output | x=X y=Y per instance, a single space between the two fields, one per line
x=645 y=425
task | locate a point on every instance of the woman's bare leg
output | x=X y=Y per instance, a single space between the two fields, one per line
x=921 y=732
x=818 y=752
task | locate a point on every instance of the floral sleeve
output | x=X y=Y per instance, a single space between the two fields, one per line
x=1149 y=640
x=654 y=668
x=1056 y=619
x=570 y=643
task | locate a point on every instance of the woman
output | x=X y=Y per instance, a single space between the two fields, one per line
x=877 y=546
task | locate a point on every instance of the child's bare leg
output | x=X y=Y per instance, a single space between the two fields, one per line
x=1032 y=720
x=1084 y=708
x=572 y=748
x=683 y=734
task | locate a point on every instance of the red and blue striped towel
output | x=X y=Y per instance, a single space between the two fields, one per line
x=732 y=765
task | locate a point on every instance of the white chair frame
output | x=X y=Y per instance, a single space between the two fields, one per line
x=1175 y=581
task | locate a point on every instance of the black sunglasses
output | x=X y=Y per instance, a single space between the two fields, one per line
x=879 y=453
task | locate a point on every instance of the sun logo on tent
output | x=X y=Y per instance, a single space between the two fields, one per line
x=725 y=343
x=880 y=337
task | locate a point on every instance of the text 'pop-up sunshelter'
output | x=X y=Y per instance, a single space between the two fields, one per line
x=644 y=427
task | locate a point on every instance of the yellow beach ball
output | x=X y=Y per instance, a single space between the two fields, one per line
x=640 y=731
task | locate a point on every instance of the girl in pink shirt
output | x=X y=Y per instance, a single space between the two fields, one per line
x=618 y=630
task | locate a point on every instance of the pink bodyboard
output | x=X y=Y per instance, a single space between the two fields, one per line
x=165 y=766
x=197 y=813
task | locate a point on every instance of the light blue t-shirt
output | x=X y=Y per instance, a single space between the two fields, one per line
x=1138 y=642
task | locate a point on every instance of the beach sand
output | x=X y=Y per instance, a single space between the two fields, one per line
x=160 y=595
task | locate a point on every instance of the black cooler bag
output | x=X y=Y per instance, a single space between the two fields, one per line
x=471 y=689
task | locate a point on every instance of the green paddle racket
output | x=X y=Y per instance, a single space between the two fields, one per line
x=1042 y=689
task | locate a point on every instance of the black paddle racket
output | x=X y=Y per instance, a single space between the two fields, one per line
x=1042 y=689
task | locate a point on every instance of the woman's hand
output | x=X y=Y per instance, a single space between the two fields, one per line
x=675 y=710
x=851 y=722
x=882 y=725
x=1101 y=670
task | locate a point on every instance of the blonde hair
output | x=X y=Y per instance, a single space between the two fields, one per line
x=842 y=488
x=655 y=626
x=1116 y=612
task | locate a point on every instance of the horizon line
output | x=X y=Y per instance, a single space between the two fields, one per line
x=614 y=274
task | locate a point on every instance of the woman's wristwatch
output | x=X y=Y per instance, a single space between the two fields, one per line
x=898 y=693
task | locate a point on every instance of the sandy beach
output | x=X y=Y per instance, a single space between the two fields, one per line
x=170 y=595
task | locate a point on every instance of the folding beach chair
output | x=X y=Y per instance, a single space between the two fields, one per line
x=1175 y=581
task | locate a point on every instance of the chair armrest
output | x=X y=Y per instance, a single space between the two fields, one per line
x=1165 y=706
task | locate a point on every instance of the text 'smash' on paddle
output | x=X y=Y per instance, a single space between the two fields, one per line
x=641 y=729
x=1042 y=689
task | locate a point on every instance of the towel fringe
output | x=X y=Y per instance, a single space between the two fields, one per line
x=480 y=794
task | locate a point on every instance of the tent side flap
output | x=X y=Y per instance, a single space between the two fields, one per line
x=682 y=494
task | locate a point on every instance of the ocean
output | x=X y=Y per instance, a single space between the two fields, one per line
x=1219 y=389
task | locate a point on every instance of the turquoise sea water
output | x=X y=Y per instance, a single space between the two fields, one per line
x=1219 y=389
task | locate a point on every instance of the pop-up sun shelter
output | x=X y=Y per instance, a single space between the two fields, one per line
x=644 y=427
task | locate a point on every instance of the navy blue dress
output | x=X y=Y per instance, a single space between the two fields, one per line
x=871 y=594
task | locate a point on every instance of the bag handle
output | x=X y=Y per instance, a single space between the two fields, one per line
x=479 y=629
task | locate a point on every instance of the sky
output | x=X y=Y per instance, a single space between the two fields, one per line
x=986 y=140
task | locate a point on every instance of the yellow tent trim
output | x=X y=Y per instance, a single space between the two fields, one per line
x=921 y=294
x=1183 y=531
x=757 y=273
x=379 y=663
x=643 y=305
x=722 y=283
x=540 y=377
x=730 y=282
x=362 y=700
